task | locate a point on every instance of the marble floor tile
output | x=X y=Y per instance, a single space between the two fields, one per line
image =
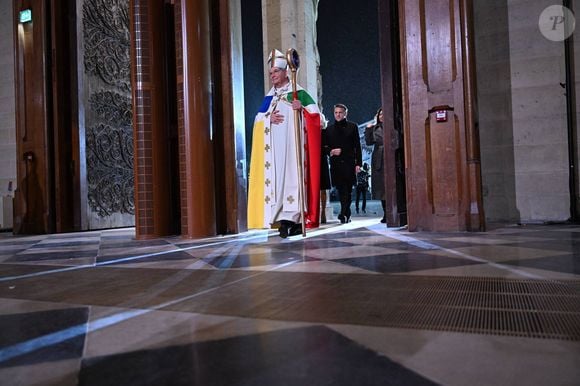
x=496 y=271
x=356 y=251
x=502 y=253
x=350 y=304
x=473 y=359
x=192 y=263
x=70 y=256
x=404 y=262
x=319 y=266
x=128 y=331
x=57 y=373
x=310 y=355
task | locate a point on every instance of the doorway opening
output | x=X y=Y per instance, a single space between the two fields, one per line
x=360 y=68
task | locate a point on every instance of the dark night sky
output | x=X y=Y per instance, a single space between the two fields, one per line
x=349 y=55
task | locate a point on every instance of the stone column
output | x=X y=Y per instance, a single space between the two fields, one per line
x=292 y=24
x=195 y=127
x=151 y=160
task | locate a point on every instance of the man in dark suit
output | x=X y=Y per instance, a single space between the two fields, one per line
x=342 y=144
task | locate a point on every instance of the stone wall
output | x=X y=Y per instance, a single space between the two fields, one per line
x=7 y=103
x=7 y=116
x=522 y=114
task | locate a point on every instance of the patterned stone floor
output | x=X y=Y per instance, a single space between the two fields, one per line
x=351 y=304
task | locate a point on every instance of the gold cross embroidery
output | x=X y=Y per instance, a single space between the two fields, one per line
x=267 y=148
x=267 y=131
x=267 y=199
x=290 y=199
x=267 y=182
x=268 y=164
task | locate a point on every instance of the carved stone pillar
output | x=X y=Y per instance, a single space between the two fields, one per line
x=292 y=24
x=196 y=164
x=441 y=141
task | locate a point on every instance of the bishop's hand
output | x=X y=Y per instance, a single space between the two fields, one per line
x=296 y=104
x=276 y=117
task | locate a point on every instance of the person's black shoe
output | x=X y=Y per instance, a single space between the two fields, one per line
x=283 y=231
x=357 y=210
x=284 y=228
x=295 y=230
x=384 y=220
x=341 y=218
x=347 y=219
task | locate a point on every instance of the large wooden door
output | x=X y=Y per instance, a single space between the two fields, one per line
x=394 y=163
x=441 y=142
x=33 y=209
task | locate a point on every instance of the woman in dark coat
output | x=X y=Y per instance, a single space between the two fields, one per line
x=374 y=136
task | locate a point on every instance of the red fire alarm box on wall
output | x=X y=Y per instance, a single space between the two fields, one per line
x=441 y=116
x=441 y=112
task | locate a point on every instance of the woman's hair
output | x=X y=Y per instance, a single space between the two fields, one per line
x=377 y=114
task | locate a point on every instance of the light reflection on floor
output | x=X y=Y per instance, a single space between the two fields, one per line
x=296 y=311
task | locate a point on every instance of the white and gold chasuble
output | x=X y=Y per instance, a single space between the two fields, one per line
x=273 y=179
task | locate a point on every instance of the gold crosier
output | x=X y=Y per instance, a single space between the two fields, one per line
x=294 y=63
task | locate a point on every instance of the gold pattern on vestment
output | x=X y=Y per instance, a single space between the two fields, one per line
x=290 y=199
